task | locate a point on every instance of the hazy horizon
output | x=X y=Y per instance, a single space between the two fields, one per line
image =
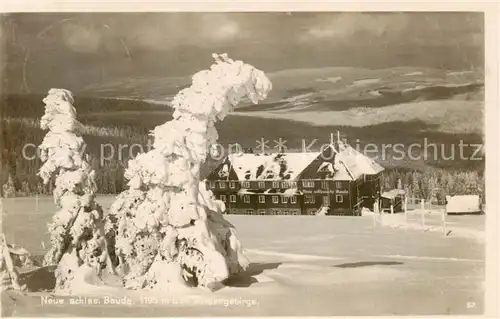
x=75 y=50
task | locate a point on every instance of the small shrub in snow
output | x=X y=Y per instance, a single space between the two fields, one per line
x=8 y=189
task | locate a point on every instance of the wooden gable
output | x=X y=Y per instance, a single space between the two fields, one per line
x=311 y=171
x=224 y=171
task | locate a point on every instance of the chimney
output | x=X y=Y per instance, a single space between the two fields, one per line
x=338 y=142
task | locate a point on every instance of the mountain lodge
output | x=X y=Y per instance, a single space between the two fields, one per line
x=339 y=180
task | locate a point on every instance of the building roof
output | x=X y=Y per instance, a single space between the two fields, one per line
x=393 y=193
x=463 y=204
x=354 y=164
x=347 y=165
x=276 y=166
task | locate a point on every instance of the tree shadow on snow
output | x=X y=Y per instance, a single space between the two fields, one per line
x=368 y=263
x=39 y=279
x=246 y=278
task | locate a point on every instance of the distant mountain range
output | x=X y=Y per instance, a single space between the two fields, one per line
x=292 y=88
x=450 y=101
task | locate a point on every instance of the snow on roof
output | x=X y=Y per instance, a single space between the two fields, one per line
x=342 y=173
x=356 y=164
x=393 y=193
x=245 y=191
x=277 y=166
x=463 y=204
x=349 y=165
x=271 y=191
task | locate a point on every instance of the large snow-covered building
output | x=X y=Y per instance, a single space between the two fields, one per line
x=337 y=181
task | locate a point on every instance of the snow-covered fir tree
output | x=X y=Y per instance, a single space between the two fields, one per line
x=167 y=228
x=77 y=229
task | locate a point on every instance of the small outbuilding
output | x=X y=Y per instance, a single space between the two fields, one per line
x=463 y=204
x=394 y=197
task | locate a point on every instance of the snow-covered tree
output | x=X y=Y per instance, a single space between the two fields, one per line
x=9 y=189
x=167 y=228
x=77 y=229
x=8 y=272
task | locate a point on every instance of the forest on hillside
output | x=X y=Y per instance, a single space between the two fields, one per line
x=113 y=123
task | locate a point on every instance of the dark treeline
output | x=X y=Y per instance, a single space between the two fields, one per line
x=31 y=105
x=19 y=171
x=435 y=183
x=20 y=116
x=109 y=157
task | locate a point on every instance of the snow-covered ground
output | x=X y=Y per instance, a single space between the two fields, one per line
x=301 y=265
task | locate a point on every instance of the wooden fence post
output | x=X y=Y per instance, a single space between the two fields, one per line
x=381 y=220
x=392 y=209
x=405 y=207
x=422 y=210
x=444 y=221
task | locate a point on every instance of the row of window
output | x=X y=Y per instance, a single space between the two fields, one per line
x=324 y=184
x=260 y=184
x=273 y=212
x=308 y=199
x=262 y=199
x=305 y=184
x=311 y=199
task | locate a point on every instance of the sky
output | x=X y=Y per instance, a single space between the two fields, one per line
x=74 y=50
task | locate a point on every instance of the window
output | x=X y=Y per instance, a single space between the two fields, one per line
x=293 y=184
x=246 y=184
x=232 y=185
x=262 y=211
x=324 y=184
x=246 y=199
x=222 y=184
x=223 y=198
x=262 y=199
x=285 y=212
x=309 y=184
x=249 y=211
x=262 y=184
x=339 y=184
x=293 y=200
x=309 y=199
x=284 y=185
x=276 y=184
x=276 y=212
x=276 y=199
x=339 y=198
x=212 y=184
x=232 y=198
x=284 y=200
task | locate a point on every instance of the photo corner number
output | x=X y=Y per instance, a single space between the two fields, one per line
x=471 y=304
